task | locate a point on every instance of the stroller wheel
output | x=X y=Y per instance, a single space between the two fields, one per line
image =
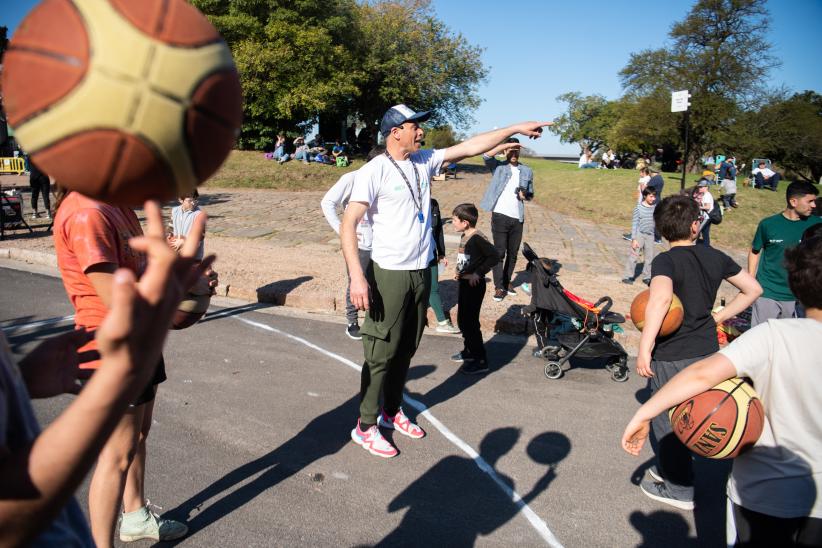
x=619 y=374
x=553 y=370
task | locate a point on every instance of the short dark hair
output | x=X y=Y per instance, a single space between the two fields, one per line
x=798 y=189
x=193 y=195
x=673 y=217
x=467 y=212
x=512 y=140
x=648 y=190
x=804 y=265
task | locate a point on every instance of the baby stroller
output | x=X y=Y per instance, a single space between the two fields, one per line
x=591 y=325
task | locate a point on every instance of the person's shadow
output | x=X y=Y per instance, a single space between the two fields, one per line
x=662 y=528
x=325 y=435
x=455 y=502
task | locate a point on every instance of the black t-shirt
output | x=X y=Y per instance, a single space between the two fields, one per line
x=696 y=272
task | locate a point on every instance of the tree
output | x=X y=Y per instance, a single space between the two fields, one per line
x=441 y=137
x=405 y=55
x=721 y=54
x=292 y=58
x=587 y=120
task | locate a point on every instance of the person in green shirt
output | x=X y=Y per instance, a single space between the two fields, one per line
x=766 y=258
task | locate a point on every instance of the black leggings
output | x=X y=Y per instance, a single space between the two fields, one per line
x=43 y=186
x=754 y=529
x=507 y=234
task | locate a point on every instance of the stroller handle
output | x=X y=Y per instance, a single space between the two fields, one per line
x=608 y=304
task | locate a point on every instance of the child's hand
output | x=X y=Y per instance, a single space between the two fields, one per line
x=473 y=279
x=177 y=242
x=634 y=244
x=635 y=435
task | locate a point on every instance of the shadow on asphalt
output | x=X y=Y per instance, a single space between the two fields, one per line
x=277 y=292
x=663 y=528
x=451 y=504
x=233 y=311
x=323 y=436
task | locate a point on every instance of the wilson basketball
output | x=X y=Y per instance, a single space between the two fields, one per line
x=191 y=309
x=122 y=100
x=721 y=422
x=672 y=320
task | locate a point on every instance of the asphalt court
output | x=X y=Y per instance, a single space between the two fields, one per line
x=251 y=441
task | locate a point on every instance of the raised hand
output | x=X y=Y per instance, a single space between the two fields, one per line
x=52 y=368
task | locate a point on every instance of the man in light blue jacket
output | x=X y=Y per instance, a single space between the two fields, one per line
x=511 y=185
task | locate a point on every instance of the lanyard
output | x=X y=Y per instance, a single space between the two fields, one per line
x=418 y=205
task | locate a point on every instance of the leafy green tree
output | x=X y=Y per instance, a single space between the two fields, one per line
x=406 y=55
x=587 y=120
x=441 y=137
x=721 y=54
x=292 y=58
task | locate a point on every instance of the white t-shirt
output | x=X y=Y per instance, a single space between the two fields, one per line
x=782 y=474
x=338 y=196
x=707 y=201
x=507 y=203
x=766 y=172
x=401 y=241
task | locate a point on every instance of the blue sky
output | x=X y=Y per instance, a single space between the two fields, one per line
x=538 y=49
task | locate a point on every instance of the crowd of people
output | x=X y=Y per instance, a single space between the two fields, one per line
x=125 y=285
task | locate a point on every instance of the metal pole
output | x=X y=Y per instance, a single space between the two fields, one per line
x=685 y=159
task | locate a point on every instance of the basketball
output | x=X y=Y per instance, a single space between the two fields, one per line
x=672 y=320
x=122 y=100
x=721 y=422
x=191 y=309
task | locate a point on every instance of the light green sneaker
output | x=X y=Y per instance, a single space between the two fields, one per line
x=143 y=523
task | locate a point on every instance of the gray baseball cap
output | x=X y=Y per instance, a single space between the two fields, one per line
x=398 y=115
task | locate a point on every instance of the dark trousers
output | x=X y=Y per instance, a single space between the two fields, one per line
x=42 y=186
x=469 y=303
x=754 y=530
x=674 y=460
x=507 y=234
x=760 y=182
x=729 y=200
x=391 y=334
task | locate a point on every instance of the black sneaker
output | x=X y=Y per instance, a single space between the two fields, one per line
x=499 y=294
x=461 y=357
x=627 y=280
x=353 y=331
x=659 y=491
x=511 y=290
x=475 y=367
x=646 y=281
x=626 y=236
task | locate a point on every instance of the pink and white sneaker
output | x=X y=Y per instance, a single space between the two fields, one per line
x=373 y=441
x=401 y=424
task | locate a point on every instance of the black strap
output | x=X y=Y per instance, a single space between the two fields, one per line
x=417 y=204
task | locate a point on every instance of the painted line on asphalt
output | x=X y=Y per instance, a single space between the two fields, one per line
x=15 y=327
x=536 y=522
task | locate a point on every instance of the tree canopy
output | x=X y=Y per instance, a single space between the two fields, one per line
x=721 y=54
x=301 y=60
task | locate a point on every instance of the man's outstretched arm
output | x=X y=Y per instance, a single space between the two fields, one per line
x=486 y=141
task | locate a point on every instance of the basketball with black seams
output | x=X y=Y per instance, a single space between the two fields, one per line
x=722 y=422
x=191 y=309
x=122 y=100
x=670 y=323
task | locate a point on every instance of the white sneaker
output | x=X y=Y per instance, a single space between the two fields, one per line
x=373 y=441
x=446 y=326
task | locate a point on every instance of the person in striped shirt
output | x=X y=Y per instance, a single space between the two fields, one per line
x=642 y=237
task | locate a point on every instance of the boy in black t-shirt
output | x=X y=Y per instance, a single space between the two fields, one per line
x=475 y=259
x=694 y=274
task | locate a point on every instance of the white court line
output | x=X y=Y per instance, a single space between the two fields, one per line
x=536 y=522
x=14 y=327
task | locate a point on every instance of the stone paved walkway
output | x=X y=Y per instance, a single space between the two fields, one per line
x=277 y=247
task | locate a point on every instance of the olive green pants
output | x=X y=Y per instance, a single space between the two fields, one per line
x=391 y=334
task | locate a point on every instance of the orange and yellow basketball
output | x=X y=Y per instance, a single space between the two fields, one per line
x=671 y=322
x=721 y=422
x=122 y=100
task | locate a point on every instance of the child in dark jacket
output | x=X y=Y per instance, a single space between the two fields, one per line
x=475 y=259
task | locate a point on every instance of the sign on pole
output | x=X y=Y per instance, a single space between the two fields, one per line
x=679 y=101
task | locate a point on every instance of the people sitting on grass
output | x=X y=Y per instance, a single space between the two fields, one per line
x=764 y=177
x=608 y=160
x=586 y=160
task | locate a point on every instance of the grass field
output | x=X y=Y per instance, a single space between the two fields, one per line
x=607 y=196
